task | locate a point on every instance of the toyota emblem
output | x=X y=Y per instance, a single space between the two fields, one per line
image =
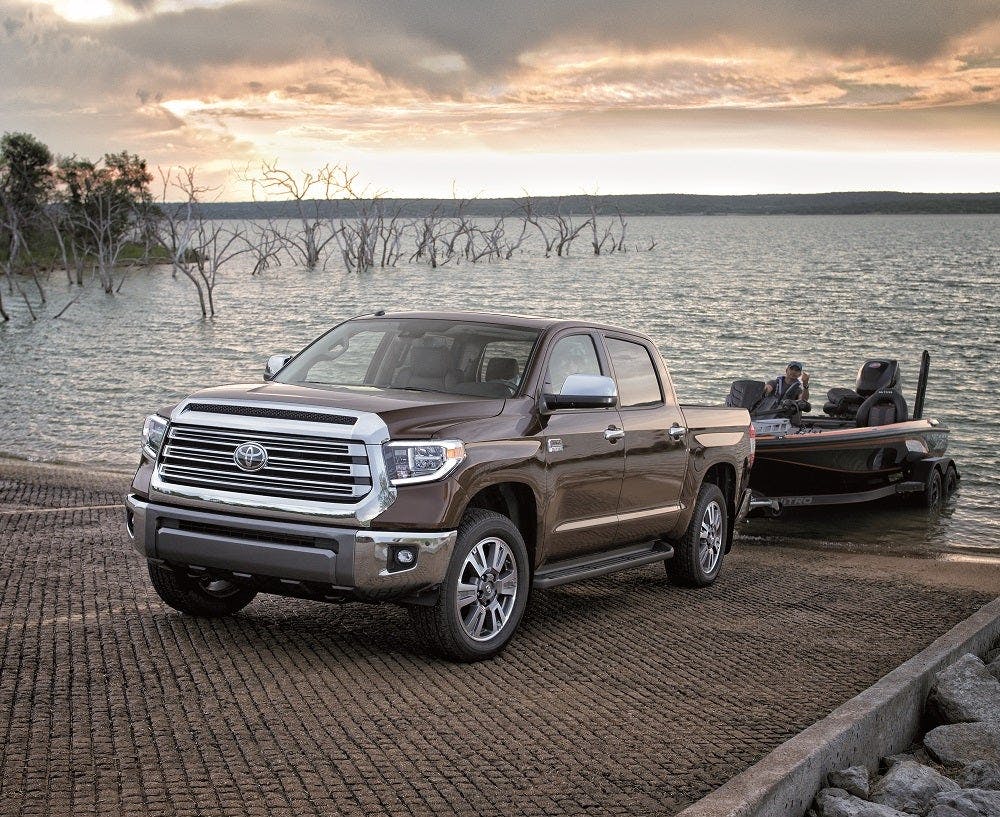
x=250 y=456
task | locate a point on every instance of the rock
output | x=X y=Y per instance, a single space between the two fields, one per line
x=918 y=755
x=993 y=668
x=959 y=744
x=911 y=787
x=854 y=780
x=966 y=691
x=980 y=774
x=838 y=803
x=944 y=811
x=970 y=802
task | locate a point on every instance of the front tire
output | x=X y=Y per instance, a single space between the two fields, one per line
x=484 y=593
x=698 y=554
x=202 y=596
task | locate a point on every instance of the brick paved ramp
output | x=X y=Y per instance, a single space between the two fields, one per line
x=621 y=695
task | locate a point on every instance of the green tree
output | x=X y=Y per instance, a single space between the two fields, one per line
x=26 y=179
x=27 y=173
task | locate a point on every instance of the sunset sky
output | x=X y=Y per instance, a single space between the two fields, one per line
x=549 y=96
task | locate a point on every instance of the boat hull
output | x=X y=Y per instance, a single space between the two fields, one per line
x=848 y=460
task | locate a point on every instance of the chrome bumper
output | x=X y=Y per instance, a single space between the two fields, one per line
x=348 y=561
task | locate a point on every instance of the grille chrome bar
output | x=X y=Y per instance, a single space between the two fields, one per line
x=177 y=453
x=305 y=443
x=298 y=466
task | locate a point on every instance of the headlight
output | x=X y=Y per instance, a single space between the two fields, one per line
x=153 y=431
x=424 y=461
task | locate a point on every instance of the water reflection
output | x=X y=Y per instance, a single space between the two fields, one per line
x=724 y=298
x=894 y=526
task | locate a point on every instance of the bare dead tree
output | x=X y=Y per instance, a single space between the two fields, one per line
x=566 y=230
x=10 y=226
x=620 y=245
x=599 y=234
x=430 y=234
x=527 y=209
x=265 y=246
x=307 y=194
x=198 y=247
x=72 y=250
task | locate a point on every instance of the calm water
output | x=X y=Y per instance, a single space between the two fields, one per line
x=723 y=297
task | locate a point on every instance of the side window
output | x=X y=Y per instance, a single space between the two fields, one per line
x=638 y=384
x=574 y=354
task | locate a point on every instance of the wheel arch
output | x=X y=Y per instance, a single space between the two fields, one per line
x=516 y=501
x=723 y=474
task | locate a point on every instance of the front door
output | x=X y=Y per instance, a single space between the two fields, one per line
x=584 y=465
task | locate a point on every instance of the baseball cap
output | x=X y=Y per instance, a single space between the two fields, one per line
x=795 y=365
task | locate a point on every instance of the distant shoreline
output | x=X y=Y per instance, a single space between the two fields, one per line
x=653 y=204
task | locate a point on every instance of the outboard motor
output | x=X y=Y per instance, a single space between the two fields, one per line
x=877 y=374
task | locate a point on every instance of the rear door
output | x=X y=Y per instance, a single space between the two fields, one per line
x=584 y=467
x=655 y=462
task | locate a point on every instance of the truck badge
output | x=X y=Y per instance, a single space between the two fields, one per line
x=250 y=456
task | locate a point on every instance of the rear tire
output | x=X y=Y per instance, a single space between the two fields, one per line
x=933 y=490
x=950 y=481
x=698 y=554
x=484 y=593
x=202 y=596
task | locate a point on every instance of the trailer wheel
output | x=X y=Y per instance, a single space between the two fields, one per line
x=950 y=480
x=698 y=553
x=933 y=489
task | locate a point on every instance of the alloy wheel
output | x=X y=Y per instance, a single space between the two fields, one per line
x=710 y=537
x=487 y=588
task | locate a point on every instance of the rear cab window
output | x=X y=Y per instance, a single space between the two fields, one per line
x=638 y=383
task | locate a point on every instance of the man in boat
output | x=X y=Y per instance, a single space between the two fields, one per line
x=793 y=385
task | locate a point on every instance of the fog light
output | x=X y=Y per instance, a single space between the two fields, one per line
x=406 y=556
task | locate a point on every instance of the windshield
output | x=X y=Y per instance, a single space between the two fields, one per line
x=455 y=357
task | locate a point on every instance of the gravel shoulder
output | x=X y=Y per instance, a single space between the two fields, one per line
x=622 y=695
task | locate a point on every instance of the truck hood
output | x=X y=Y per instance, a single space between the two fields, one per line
x=407 y=413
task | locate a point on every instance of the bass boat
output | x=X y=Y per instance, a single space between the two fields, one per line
x=865 y=446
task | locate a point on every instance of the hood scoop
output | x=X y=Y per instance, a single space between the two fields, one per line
x=274 y=413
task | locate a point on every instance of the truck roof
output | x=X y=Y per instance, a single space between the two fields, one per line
x=526 y=321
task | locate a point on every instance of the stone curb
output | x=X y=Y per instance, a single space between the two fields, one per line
x=883 y=720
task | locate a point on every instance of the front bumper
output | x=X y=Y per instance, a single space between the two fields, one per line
x=290 y=557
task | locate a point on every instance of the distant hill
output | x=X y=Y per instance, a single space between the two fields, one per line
x=656 y=204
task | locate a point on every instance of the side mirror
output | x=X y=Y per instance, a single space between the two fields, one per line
x=583 y=391
x=275 y=363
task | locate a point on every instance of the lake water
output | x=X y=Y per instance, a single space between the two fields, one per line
x=724 y=297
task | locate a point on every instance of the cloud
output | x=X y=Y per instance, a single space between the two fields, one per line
x=197 y=80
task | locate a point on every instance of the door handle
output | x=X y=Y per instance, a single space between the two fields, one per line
x=614 y=434
x=676 y=432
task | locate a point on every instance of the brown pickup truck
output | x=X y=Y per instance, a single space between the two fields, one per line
x=450 y=462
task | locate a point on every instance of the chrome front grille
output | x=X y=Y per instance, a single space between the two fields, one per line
x=298 y=466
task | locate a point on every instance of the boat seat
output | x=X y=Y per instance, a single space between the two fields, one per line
x=843 y=403
x=746 y=394
x=882 y=408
